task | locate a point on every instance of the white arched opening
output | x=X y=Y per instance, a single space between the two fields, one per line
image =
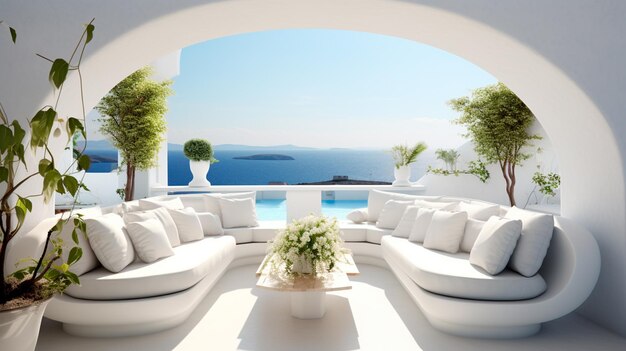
x=586 y=141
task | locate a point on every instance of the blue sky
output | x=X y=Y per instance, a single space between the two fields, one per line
x=321 y=88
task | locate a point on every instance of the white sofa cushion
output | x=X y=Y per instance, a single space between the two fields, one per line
x=190 y=263
x=213 y=203
x=88 y=260
x=195 y=201
x=358 y=215
x=211 y=224
x=495 y=244
x=537 y=229
x=479 y=211
x=435 y=204
x=453 y=275
x=403 y=229
x=130 y=206
x=472 y=229
x=266 y=231
x=149 y=240
x=110 y=242
x=445 y=231
x=391 y=214
x=376 y=201
x=188 y=224
x=152 y=204
x=242 y=235
x=163 y=215
x=420 y=225
x=238 y=212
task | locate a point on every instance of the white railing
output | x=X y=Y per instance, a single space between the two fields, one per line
x=301 y=199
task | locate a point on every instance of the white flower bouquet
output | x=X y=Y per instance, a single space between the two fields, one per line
x=308 y=246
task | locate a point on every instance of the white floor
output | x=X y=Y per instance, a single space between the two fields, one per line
x=376 y=314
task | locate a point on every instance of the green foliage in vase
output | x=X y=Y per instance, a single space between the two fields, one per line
x=313 y=241
x=199 y=150
x=498 y=122
x=133 y=117
x=404 y=155
x=48 y=274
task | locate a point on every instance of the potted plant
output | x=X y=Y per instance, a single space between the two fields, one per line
x=25 y=293
x=403 y=156
x=309 y=245
x=200 y=155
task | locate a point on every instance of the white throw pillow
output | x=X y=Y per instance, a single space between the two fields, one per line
x=376 y=201
x=481 y=212
x=495 y=244
x=213 y=201
x=88 y=260
x=420 y=226
x=211 y=224
x=448 y=206
x=163 y=216
x=238 y=213
x=130 y=206
x=153 y=204
x=110 y=242
x=533 y=245
x=149 y=240
x=358 y=216
x=472 y=229
x=188 y=224
x=445 y=231
x=195 y=201
x=403 y=229
x=391 y=213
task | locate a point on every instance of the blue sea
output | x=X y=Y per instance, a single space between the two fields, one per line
x=308 y=166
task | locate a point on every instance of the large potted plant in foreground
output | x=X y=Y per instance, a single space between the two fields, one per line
x=25 y=292
x=200 y=155
x=403 y=156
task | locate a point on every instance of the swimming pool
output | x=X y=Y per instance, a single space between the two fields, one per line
x=275 y=210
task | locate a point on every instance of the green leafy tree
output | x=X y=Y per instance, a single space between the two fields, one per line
x=133 y=116
x=498 y=121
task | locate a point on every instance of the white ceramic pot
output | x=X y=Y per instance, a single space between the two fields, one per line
x=199 y=169
x=402 y=175
x=302 y=266
x=19 y=328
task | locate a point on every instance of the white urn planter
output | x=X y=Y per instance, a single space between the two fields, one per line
x=199 y=169
x=19 y=328
x=402 y=175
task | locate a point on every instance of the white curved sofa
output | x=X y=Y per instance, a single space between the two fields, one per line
x=146 y=298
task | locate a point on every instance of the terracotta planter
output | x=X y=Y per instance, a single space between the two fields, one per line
x=199 y=169
x=402 y=175
x=19 y=328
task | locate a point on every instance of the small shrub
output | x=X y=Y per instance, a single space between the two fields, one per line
x=199 y=150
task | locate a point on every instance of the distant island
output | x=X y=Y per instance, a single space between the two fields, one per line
x=265 y=157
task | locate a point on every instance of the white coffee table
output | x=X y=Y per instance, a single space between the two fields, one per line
x=308 y=293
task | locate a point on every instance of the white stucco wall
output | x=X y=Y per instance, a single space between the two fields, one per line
x=564 y=58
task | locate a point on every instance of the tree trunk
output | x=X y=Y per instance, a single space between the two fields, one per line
x=508 y=172
x=130 y=183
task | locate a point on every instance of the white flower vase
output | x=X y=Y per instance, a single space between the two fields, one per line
x=302 y=266
x=402 y=175
x=199 y=169
x=19 y=328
